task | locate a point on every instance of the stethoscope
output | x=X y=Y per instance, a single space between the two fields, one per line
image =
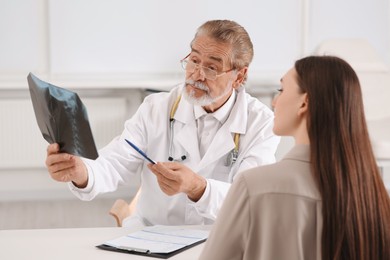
x=171 y=123
x=231 y=158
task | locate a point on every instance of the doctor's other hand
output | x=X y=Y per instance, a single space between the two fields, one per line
x=174 y=178
x=65 y=167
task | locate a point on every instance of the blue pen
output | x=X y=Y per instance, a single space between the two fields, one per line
x=140 y=151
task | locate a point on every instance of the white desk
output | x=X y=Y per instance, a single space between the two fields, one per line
x=78 y=243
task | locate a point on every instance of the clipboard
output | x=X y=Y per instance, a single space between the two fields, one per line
x=157 y=241
x=149 y=254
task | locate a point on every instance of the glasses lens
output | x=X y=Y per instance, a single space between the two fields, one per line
x=184 y=64
x=190 y=66
x=209 y=73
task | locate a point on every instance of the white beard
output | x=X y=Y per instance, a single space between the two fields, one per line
x=206 y=99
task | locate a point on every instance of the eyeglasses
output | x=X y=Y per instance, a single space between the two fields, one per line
x=208 y=73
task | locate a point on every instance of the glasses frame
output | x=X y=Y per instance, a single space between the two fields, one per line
x=184 y=63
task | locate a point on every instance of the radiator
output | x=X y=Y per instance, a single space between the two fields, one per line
x=21 y=143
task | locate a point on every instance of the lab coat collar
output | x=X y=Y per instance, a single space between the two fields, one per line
x=238 y=117
x=185 y=111
x=223 y=142
x=187 y=136
x=237 y=120
x=222 y=113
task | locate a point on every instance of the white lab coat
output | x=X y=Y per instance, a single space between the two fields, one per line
x=149 y=130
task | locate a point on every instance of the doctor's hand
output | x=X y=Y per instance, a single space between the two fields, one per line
x=65 y=167
x=174 y=178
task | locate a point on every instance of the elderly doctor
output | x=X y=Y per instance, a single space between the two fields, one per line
x=201 y=135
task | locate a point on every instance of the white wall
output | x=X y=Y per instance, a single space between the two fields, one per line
x=150 y=36
x=104 y=47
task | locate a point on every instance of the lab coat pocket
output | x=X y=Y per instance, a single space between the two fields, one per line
x=221 y=170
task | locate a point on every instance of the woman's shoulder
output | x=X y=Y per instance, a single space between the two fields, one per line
x=288 y=177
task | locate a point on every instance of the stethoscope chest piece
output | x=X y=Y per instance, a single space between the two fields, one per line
x=231 y=158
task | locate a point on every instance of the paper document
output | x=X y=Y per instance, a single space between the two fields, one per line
x=158 y=240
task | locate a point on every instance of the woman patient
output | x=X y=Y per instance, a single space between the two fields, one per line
x=325 y=199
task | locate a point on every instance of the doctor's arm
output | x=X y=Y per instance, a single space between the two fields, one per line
x=206 y=195
x=117 y=163
x=209 y=194
x=174 y=178
x=65 y=167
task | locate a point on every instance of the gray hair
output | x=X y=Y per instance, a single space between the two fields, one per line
x=230 y=32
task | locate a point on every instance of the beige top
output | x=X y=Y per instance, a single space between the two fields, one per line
x=270 y=212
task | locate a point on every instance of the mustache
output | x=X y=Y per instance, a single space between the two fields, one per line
x=198 y=85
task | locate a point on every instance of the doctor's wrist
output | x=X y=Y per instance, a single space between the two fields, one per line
x=80 y=179
x=81 y=184
x=198 y=189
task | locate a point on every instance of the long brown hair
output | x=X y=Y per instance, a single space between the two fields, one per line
x=356 y=206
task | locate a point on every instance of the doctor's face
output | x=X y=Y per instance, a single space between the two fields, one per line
x=210 y=78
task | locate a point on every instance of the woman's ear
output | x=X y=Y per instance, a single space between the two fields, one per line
x=304 y=105
x=240 y=76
